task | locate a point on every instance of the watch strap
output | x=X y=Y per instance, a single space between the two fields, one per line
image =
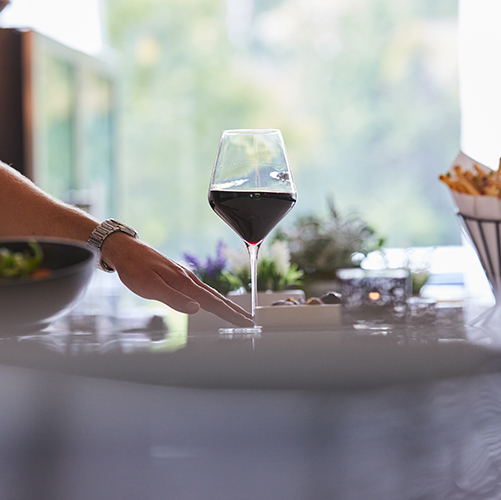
x=101 y=232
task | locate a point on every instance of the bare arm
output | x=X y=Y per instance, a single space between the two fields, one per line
x=26 y=210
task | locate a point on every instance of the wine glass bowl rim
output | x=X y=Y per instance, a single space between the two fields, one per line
x=252 y=131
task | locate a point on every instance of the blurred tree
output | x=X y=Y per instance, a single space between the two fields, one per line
x=364 y=92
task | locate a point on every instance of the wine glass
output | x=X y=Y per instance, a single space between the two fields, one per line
x=252 y=188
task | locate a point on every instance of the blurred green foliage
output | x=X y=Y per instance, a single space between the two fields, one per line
x=320 y=246
x=364 y=91
x=229 y=270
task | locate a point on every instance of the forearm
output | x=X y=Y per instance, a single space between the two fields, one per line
x=25 y=210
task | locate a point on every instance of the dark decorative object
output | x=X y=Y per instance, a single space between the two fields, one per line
x=375 y=294
x=332 y=298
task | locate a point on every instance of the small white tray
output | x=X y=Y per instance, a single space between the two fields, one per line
x=204 y=322
x=317 y=317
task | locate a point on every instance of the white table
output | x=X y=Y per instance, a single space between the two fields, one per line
x=311 y=415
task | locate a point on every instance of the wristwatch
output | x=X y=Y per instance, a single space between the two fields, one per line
x=101 y=232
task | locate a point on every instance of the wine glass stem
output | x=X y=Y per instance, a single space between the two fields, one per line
x=253 y=251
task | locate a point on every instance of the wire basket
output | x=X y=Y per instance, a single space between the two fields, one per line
x=485 y=236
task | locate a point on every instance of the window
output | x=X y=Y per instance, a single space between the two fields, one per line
x=364 y=91
x=75 y=23
x=480 y=74
x=68 y=100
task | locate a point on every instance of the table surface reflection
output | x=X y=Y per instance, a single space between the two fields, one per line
x=361 y=352
x=368 y=409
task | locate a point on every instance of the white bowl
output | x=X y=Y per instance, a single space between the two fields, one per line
x=29 y=305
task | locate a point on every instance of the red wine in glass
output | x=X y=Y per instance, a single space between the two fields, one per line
x=251 y=214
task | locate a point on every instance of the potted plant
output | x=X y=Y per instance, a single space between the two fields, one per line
x=229 y=269
x=320 y=245
x=212 y=270
x=228 y=272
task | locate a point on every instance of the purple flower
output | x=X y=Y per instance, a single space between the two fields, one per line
x=211 y=267
x=220 y=257
x=193 y=262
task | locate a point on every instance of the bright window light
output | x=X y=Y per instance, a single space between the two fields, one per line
x=480 y=77
x=76 y=23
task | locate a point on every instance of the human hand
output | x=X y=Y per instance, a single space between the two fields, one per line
x=150 y=275
x=25 y=210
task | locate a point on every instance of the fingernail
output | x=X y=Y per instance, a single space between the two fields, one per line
x=250 y=322
x=192 y=307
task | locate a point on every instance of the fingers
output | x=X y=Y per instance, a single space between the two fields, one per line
x=227 y=301
x=153 y=276
x=186 y=296
x=209 y=299
x=175 y=299
x=223 y=308
x=154 y=287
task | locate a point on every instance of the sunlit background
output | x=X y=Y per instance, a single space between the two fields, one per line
x=364 y=91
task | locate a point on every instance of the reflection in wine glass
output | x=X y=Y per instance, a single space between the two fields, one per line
x=252 y=188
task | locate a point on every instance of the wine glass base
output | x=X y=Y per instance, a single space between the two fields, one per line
x=241 y=333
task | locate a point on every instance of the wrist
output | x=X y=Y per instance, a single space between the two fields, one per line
x=99 y=237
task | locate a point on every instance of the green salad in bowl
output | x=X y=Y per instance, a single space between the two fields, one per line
x=23 y=263
x=39 y=281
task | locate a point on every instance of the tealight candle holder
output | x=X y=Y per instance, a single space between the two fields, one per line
x=375 y=294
